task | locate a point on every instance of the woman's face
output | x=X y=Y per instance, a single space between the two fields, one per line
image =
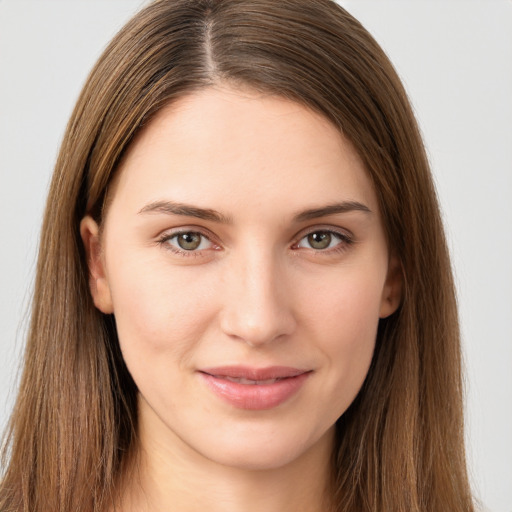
x=245 y=261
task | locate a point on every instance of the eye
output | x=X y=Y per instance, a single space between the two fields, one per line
x=188 y=241
x=322 y=240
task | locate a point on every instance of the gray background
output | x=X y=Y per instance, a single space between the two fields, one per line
x=455 y=58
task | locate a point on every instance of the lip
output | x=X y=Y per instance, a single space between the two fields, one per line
x=254 y=388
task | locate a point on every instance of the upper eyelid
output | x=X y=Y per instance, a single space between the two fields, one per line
x=172 y=232
x=345 y=233
x=164 y=240
x=165 y=237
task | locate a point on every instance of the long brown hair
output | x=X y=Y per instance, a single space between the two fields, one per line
x=400 y=444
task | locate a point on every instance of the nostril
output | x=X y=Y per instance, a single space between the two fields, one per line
x=256 y=332
x=257 y=305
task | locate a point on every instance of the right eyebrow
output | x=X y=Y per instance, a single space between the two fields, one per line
x=186 y=210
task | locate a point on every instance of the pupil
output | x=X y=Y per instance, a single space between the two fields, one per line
x=189 y=241
x=320 y=240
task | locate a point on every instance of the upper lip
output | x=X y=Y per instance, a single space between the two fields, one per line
x=250 y=373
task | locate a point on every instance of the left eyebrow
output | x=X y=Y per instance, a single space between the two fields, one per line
x=332 y=209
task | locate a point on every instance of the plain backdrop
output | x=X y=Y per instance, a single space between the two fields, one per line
x=455 y=58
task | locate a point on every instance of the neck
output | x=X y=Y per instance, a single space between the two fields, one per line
x=173 y=476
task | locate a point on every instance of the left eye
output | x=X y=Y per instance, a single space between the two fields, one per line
x=189 y=241
x=321 y=240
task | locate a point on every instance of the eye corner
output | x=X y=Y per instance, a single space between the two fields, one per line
x=193 y=242
x=329 y=241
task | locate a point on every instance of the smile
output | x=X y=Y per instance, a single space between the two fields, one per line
x=252 y=388
x=251 y=382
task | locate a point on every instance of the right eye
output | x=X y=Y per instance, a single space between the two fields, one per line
x=187 y=242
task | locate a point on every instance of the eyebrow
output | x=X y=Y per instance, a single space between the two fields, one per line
x=332 y=209
x=186 y=210
x=173 y=208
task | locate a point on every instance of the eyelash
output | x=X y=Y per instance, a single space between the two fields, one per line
x=345 y=241
x=166 y=237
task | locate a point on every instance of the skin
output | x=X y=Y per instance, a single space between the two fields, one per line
x=255 y=292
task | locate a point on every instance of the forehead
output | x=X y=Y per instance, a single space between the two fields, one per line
x=225 y=148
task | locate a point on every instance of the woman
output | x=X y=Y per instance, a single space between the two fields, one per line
x=243 y=281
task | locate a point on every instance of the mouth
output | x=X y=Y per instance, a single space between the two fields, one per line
x=250 y=382
x=254 y=388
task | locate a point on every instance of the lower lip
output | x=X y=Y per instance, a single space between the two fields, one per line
x=255 y=397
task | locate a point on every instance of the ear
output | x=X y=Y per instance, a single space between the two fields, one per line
x=98 y=282
x=392 y=292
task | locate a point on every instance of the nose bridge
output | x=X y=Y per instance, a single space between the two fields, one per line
x=257 y=307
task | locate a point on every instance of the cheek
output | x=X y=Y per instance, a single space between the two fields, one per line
x=348 y=306
x=157 y=310
x=343 y=318
x=351 y=328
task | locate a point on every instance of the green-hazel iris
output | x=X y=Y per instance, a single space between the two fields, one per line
x=189 y=241
x=320 y=239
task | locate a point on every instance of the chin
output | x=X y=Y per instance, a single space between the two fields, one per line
x=268 y=452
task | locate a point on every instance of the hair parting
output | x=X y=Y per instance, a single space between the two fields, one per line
x=400 y=445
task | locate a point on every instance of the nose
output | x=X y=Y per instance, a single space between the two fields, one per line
x=257 y=307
